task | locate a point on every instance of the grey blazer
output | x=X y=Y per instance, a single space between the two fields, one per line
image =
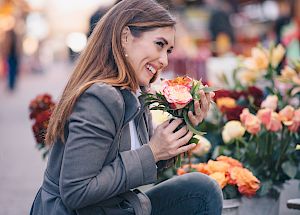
x=95 y=170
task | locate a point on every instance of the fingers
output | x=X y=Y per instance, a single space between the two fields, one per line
x=185 y=139
x=164 y=124
x=186 y=148
x=173 y=125
x=181 y=132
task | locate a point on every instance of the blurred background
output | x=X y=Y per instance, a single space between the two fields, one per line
x=41 y=39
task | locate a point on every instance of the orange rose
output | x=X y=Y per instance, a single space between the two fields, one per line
x=217 y=166
x=178 y=96
x=220 y=178
x=232 y=162
x=247 y=183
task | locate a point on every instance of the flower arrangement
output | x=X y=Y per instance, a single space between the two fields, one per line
x=176 y=98
x=264 y=131
x=40 y=111
x=233 y=178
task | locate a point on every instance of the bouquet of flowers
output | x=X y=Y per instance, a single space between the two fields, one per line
x=40 y=111
x=176 y=98
x=233 y=178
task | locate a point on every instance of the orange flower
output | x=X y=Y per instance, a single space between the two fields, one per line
x=250 y=121
x=220 y=178
x=226 y=102
x=247 y=183
x=185 y=81
x=232 y=162
x=217 y=166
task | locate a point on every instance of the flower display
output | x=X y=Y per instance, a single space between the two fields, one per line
x=233 y=178
x=176 y=97
x=264 y=133
x=40 y=111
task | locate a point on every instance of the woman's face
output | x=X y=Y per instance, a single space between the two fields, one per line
x=148 y=54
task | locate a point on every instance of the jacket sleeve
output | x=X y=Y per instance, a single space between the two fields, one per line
x=85 y=178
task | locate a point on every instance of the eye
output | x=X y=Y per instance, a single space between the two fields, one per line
x=160 y=44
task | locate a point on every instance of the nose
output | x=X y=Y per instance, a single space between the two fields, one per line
x=163 y=60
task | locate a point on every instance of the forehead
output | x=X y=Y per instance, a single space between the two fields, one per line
x=167 y=33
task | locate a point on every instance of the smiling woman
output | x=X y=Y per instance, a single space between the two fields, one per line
x=100 y=132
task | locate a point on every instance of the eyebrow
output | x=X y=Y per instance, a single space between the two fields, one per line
x=165 y=41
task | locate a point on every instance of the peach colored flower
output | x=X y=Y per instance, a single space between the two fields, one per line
x=250 y=121
x=226 y=102
x=220 y=178
x=249 y=77
x=275 y=123
x=270 y=102
x=270 y=119
x=178 y=96
x=286 y=115
x=202 y=147
x=232 y=130
x=217 y=166
x=247 y=183
x=232 y=162
x=277 y=55
x=294 y=127
x=265 y=116
x=287 y=74
x=259 y=60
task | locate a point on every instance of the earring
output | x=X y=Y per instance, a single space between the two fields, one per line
x=126 y=55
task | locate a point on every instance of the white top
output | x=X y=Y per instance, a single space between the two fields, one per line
x=135 y=142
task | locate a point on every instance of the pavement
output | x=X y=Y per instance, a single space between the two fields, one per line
x=21 y=164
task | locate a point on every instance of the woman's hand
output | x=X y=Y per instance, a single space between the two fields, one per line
x=166 y=144
x=201 y=109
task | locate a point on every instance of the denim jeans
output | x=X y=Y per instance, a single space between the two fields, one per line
x=189 y=194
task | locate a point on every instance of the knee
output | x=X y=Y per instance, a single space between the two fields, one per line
x=204 y=185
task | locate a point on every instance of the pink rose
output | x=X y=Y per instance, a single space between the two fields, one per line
x=178 y=96
x=250 y=121
x=270 y=102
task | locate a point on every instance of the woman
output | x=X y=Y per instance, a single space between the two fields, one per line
x=103 y=146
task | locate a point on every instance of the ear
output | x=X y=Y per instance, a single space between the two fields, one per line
x=125 y=35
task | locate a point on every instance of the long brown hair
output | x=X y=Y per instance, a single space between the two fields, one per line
x=103 y=59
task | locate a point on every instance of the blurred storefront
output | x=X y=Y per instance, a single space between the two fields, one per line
x=49 y=30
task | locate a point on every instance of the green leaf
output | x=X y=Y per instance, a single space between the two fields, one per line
x=289 y=169
x=190 y=126
x=210 y=89
x=194 y=140
x=265 y=188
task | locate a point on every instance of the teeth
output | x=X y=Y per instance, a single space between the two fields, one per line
x=151 y=69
